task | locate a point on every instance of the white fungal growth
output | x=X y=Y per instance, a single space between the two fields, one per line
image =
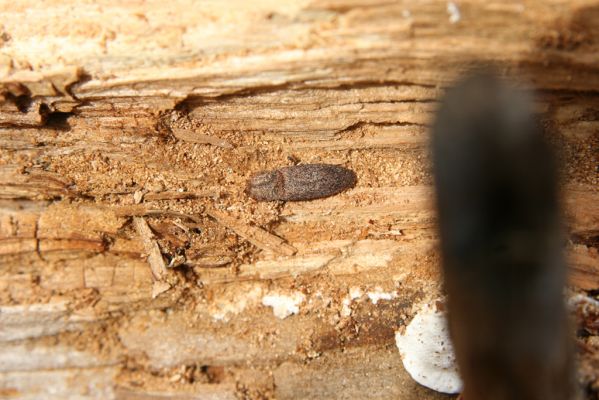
x=346 y=307
x=353 y=293
x=378 y=295
x=283 y=305
x=225 y=307
x=427 y=352
x=454 y=12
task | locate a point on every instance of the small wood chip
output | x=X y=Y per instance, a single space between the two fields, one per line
x=210 y=262
x=136 y=210
x=255 y=235
x=175 y=214
x=151 y=248
x=159 y=287
x=140 y=210
x=138 y=196
x=182 y=226
x=180 y=195
x=188 y=135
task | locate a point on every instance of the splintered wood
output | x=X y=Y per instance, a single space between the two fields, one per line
x=179 y=195
x=257 y=236
x=134 y=266
x=155 y=259
x=17 y=182
x=201 y=138
x=151 y=248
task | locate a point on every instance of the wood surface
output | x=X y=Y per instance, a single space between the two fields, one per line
x=132 y=263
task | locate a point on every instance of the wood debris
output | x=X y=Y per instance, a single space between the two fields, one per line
x=188 y=135
x=172 y=195
x=159 y=287
x=19 y=183
x=203 y=111
x=138 y=196
x=136 y=210
x=157 y=264
x=139 y=210
x=210 y=262
x=255 y=235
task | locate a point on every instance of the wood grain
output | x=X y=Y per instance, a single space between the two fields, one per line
x=116 y=113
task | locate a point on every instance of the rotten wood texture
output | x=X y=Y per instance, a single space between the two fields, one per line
x=128 y=133
x=155 y=259
x=257 y=236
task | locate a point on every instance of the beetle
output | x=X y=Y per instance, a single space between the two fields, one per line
x=300 y=182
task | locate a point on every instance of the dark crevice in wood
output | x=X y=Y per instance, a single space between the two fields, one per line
x=191 y=102
x=589 y=239
x=58 y=121
x=361 y=124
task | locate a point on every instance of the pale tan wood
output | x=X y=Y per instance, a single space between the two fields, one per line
x=113 y=113
x=258 y=236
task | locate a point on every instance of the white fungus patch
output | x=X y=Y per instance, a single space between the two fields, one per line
x=346 y=307
x=378 y=295
x=427 y=352
x=454 y=12
x=224 y=308
x=283 y=305
x=353 y=293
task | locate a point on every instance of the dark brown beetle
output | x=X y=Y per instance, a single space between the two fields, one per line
x=300 y=182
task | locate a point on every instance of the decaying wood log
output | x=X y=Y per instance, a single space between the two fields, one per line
x=132 y=264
